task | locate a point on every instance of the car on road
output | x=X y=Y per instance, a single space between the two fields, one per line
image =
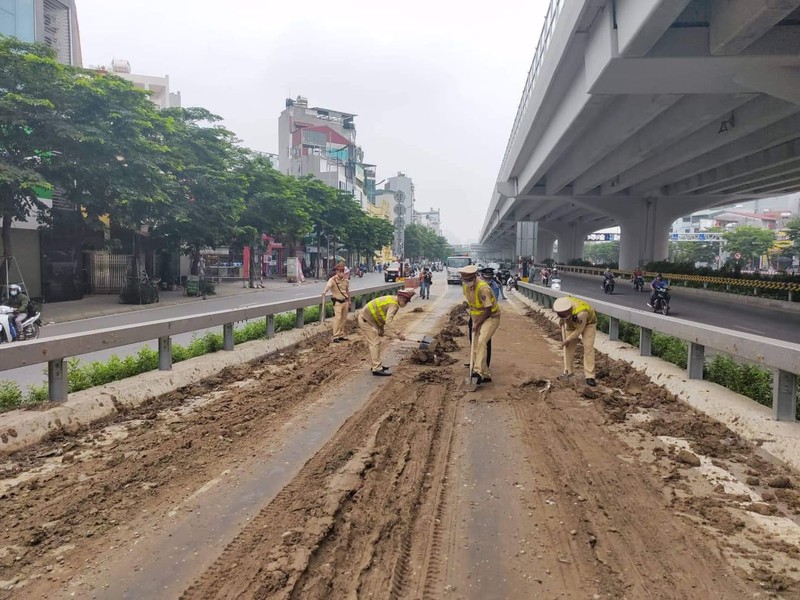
x=392 y=272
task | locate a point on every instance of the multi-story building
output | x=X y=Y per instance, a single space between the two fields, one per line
x=55 y=24
x=403 y=209
x=157 y=87
x=430 y=219
x=322 y=142
x=50 y=22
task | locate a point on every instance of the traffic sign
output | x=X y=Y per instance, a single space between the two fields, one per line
x=737 y=256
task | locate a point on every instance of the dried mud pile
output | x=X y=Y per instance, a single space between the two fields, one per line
x=619 y=491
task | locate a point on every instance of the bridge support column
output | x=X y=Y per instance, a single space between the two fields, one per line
x=527 y=234
x=544 y=245
x=644 y=227
x=571 y=237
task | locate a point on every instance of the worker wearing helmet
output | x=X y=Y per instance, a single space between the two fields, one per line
x=376 y=320
x=484 y=311
x=18 y=300
x=580 y=320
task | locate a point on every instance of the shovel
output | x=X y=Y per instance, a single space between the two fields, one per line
x=424 y=343
x=469 y=384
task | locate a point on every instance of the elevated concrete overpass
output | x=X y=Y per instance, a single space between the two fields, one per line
x=637 y=112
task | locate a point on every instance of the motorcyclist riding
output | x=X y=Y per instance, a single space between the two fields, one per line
x=659 y=283
x=19 y=301
x=608 y=278
x=638 y=279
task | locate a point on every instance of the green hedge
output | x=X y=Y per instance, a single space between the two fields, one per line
x=83 y=376
x=749 y=380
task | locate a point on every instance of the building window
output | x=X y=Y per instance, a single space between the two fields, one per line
x=687 y=219
x=57 y=30
x=17 y=19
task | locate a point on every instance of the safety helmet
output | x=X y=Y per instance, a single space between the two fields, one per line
x=14 y=289
x=562 y=304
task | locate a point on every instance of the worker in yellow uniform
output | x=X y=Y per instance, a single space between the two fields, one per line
x=485 y=313
x=339 y=288
x=580 y=320
x=376 y=320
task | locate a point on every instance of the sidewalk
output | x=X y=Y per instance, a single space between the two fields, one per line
x=98 y=305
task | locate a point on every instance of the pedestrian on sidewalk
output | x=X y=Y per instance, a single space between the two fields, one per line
x=580 y=320
x=425 y=284
x=339 y=288
x=376 y=320
x=484 y=311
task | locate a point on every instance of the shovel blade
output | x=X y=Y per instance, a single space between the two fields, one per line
x=468 y=385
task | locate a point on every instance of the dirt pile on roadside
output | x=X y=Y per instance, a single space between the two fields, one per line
x=458 y=315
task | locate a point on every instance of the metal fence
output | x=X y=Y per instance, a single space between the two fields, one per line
x=54 y=350
x=106 y=271
x=782 y=357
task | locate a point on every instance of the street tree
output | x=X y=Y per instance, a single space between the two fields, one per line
x=210 y=183
x=602 y=252
x=751 y=242
x=793 y=232
x=693 y=252
x=33 y=86
x=274 y=204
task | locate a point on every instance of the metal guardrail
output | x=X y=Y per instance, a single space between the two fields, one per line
x=550 y=18
x=782 y=357
x=54 y=350
x=761 y=284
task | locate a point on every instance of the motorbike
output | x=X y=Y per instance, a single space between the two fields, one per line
x=638 y=283
x=661 y=302
x=8 y=332
x=555 y=283
x=608 y=285
x=359 y=272
x=512 y=283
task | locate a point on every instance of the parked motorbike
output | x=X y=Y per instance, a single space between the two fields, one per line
x=638 y=283
x=512 y=283
x=661 y=302
x=30 y=326
x=608 y=285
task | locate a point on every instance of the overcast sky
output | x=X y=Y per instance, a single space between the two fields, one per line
x=435 y=84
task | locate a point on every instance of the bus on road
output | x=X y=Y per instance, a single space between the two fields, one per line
x=453 y=264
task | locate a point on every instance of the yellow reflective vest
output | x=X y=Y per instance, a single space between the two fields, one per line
x=476 y=307
x=377 y=308
x=579 y=306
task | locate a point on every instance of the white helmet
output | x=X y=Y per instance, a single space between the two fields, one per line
x=14 y=289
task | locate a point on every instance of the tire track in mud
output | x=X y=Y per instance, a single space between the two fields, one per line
x=342 y=527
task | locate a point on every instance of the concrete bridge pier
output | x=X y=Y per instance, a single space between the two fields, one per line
x=644 y=227
x=571 y=237
x=544 y=245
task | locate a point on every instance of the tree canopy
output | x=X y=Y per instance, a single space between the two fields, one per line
x=424 y=243
x=176 y=174
x=751 y=242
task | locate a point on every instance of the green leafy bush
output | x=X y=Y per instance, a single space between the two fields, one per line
x=83 y=376
x=748 y=380
x=10 y=395
x=207 y=287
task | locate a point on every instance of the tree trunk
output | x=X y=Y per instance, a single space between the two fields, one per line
x=194 y=264
x=252 y=270
x=7 y=252
x=319 y=255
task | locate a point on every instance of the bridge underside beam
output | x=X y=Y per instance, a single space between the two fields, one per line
x=736 y=24
x=782 y=156
x=686 y=116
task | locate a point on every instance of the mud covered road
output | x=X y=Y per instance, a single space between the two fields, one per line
x=412 y=488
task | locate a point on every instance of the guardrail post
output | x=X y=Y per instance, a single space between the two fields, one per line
x=645 y=341
x=790 y=295
x=57 y=381
x=696 y=360
x=613 y=329
x=784 y=395
x=299 y=318
x=270 y=326
x=165 y=353
x=353 y=304
x=227 y=336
